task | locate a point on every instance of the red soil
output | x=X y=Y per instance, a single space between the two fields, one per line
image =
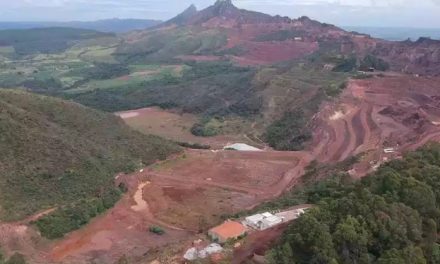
x=378 y=113
x=183 y=195
x=272 y=52
x=190 y=192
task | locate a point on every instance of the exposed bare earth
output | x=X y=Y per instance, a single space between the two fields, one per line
x=189 y=193
x=396 y=112
x=174 y=126
x=182 y=195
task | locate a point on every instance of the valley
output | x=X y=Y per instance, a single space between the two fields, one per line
x=193 y=191
x=129 y=148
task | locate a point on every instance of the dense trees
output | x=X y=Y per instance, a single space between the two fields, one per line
x=73 y=216
x=14 y=259
x=211 y=89
x=370 y=61
x=58 y=154
x=391 y=216
x=288 y=133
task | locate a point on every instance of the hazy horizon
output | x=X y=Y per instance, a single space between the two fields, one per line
x=366 y=13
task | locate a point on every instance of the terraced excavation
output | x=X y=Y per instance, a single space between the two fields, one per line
x=380 y=118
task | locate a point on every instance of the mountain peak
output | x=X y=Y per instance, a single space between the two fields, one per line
x=183 y=17
x=224 y=7
x=223 y=2
x=192 y=8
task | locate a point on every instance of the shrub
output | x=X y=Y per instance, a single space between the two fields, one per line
x=204 y=129
x=16 y=259
x=346 y=65
x=156 y=230
x=72 y=217
x=288 y=133
x=193 y=145
x=371 y=61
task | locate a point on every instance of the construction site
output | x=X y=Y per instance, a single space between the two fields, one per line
x=376 y=119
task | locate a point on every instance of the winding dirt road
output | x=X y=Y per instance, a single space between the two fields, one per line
x=397 y=113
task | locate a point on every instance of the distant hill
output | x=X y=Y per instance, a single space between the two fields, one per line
x=61 y=154
x=46 y=40
x=182 y=18
x=397 y=33
x=107 y=25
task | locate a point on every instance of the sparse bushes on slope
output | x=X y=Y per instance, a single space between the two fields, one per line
x=75 y=215
x=374 y=62
x=346 y=65
x=14 y=259
x=205 y=88
x=288 y=133
x=57 y=153
x=281 y=35
x=193 y=145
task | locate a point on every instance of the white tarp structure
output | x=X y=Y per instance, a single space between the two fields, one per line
x=191 y=254
x=241 y=147
x=209 y=250
x=194 y=254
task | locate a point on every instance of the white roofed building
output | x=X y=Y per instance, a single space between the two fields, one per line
x=263 y=221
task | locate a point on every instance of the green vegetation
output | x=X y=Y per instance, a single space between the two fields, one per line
x=46 y=40
x=234 y=51
x=390 y=216
x=281 y=35
x=156 y=230
x=204 y=88
x=193 y=145
x=14 y=259
x=58 y=154
x=292 y=95
x=166 y=45
x=77 y=214
x=374 y=62
x=288 y=133
x=346 y=65
x=207 y=127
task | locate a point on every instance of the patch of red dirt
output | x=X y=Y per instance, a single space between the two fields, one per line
x=271 y=52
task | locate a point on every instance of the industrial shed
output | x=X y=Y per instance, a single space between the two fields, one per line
x=263 y=221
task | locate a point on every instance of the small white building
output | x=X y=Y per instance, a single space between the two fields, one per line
x=389 y=150
x=270 y=221
x=263 y=221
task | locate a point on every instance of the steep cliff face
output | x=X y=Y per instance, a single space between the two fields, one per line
x=419 y=57
x=182 y=18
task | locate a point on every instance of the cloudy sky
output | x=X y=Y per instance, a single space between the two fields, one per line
x=404 y=13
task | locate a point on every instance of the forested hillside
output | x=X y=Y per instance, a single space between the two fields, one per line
x=57 y=154
x=391 y=216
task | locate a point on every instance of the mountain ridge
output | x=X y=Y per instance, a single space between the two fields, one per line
x=114 y=25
